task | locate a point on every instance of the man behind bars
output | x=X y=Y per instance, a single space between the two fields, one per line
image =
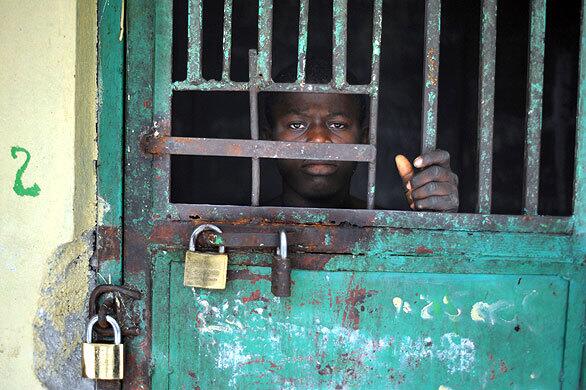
x=342 y=119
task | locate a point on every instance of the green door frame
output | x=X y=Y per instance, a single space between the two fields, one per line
x=127 y=226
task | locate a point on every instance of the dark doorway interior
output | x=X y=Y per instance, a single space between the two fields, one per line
x=225 y=115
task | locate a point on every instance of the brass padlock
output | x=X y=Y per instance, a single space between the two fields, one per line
x=205 y=270
x=102 y=361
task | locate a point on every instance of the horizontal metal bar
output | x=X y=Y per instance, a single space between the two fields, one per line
x=213 y=85
x=430 y=75
x=246 y=215
x=344 y=240
x=260 y=149
x=534 y=106
x=486 y=104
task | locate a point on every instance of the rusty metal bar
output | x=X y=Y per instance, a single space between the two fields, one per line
x=194 y=38
x=213 y=85
x=254 y=132
x=534 y=106
x=265 y=39
x=430 y=75
x=340 y=38
x=227 y=40
x=486 y=104
x=260 y=149
x=246 y=215
x=302 y=42
x=377 y=19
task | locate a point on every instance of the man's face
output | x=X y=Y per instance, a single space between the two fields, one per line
x=310 y=117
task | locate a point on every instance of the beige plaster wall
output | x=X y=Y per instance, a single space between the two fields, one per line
x=47 y=106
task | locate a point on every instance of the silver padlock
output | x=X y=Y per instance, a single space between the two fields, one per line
x=99 y=360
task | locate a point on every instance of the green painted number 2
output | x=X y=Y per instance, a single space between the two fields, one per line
x=21 y=190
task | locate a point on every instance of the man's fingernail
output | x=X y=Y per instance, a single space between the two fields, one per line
x=418 y=162
x=408 y=185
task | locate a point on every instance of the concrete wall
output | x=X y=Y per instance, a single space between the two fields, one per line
x=47 y=110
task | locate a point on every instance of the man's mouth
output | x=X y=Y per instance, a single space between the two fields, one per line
x=319 y=168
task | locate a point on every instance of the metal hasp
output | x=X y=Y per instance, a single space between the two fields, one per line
x=281 y=269
x=111 y=306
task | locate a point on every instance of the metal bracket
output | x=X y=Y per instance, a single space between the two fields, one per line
x=113 y=305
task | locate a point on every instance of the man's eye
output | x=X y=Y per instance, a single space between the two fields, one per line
x=297 y=125
x=338 y=126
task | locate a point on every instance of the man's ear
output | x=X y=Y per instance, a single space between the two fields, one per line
x=365 y=132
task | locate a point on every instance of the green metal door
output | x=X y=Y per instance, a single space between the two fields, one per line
x=380 y=299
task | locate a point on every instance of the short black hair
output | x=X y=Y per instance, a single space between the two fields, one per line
x=316 y=72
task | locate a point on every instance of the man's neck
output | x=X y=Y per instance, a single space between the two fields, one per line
x=290 y=198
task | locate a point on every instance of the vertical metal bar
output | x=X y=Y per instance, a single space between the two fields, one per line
x=265 y=39
x=486 y=104
x=302 y=43
x=340 y=38
x=162 y=94
x=194 y=41
x=534 y=106
x=227 y=40
x=430 y=74
x=254 y=131
x=580 y=170
x=377 y=21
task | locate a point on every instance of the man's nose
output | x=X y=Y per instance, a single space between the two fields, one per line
x=318 y=133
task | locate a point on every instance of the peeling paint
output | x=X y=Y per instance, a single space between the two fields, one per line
x=60 y=323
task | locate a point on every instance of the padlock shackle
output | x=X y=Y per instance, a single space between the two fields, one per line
x=202 y=228
x=111 y=321
x=282 y=250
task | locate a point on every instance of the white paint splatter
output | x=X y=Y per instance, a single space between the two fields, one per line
x=454 y=317
x=397 y=302
x=445 y=300
x=425 y=311
x=526 y=297
x=407 y=307
x=233 y=321
x=103 y=209
x=442 y=387
x=230 y=355
x=413 y=351
x=484 y=312
x=215 y=328
x=458 y=353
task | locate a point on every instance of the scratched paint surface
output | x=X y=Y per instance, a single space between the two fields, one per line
x=359 y=329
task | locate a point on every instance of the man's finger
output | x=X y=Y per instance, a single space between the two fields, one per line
x=438 y=203
x=406 y=172
x=434 y=188
x=434 y=157
x=405 y=169
x=433 y=173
